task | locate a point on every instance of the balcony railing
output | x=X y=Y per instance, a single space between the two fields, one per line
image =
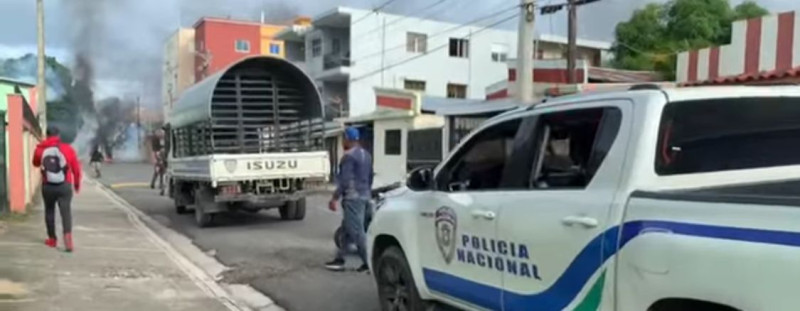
x=336 y=60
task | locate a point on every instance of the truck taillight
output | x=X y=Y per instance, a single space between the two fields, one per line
x=232 y=189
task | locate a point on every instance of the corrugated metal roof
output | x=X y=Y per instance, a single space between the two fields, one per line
x=622 y=76
x=194 y=104
x=458 y=106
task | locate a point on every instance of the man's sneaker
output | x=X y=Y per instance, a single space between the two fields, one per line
x=335 y=265
x=68 y=242
x=51 y=242
x=363 y=268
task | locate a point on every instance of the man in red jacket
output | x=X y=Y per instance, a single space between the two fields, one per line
x=61 y=172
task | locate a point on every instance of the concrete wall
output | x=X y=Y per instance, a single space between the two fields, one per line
x=23 y=179
x=770 y=43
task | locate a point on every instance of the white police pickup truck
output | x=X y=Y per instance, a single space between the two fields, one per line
x=678 y=199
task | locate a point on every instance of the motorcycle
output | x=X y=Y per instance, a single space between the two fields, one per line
x=339 y=236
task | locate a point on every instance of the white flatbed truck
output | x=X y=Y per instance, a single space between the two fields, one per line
x=248 y=138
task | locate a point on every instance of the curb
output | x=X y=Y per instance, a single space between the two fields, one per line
x=201 y=268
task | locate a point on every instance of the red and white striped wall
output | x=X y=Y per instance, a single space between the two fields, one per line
x=761 y=48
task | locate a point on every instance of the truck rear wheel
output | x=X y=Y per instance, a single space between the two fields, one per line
x=293 y=210
x=300 y=209
x=202 y=218
x=180 y=209
x=205 y=207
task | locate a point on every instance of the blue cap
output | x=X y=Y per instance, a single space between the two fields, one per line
x=351 y=134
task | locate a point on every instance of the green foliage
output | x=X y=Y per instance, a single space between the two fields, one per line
x=652 y=37
x=62 y=111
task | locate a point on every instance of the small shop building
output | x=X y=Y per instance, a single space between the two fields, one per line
x=408 y=130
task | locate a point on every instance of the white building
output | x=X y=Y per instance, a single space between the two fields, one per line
x=178 y=67
x=350 y=51
x=346 y=50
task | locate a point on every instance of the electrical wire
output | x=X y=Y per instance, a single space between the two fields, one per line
x=451 y=29
x=375 y=10
x=506 y=19
x=395 y=21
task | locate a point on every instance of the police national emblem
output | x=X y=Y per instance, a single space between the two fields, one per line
x=446 y=223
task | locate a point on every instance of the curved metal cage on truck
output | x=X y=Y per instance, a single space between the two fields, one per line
x=260 y=104
x=247 y=138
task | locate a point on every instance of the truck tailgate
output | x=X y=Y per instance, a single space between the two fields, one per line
x=270 y=166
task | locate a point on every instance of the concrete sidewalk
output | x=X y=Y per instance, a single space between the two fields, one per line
x=118 y=264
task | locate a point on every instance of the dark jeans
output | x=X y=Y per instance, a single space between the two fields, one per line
x=158 y=173
x=60 y=194
x=353 y=224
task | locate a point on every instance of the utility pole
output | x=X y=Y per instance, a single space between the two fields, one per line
x=41 y=88
x=572 y=48
x=527 y=21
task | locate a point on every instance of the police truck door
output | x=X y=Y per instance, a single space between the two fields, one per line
x=458 y=225
x=556 y=227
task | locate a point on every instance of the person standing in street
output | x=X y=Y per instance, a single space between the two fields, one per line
x=61 y=173
x=157 y=147
x=354 y=186
x=96 y=160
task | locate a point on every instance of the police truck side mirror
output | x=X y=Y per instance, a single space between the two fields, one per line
x=420 y=179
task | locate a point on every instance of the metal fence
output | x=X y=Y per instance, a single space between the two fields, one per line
x=424 y=148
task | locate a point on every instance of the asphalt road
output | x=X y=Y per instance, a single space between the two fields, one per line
x=282 y=259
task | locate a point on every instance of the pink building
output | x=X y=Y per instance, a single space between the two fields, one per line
x=763 y=50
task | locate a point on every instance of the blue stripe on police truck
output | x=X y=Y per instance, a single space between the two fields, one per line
x=577 y=274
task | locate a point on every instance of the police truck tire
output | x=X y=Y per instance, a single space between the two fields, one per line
x=299 y=209
x=396 y=287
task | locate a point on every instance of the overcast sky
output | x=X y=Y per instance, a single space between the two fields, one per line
x=125 y=37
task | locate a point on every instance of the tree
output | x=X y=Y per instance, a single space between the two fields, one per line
x=652 y=37
x=62 y=109
x=748 y=9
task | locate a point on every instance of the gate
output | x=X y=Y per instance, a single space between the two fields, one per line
x=461 y=126
x=424 y=148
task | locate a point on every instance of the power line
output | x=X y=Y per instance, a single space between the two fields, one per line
x=375 y=10
x=395 y=21
x=451 y=29
x=434 y=49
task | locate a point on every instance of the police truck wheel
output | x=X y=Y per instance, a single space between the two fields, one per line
x=396 y=287
x=299 y=209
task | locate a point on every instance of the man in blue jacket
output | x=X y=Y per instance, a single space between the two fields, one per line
x=354 y=188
